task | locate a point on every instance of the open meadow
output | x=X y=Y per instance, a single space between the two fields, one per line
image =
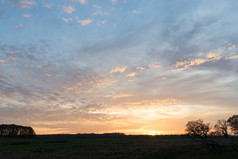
x=117 y=147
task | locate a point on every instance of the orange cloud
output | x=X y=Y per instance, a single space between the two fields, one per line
x=164 y=78
x=133 y=74
x=119 y=69
x=222 y=53
x=210 y=57
x=140 y=68
x=20 y=25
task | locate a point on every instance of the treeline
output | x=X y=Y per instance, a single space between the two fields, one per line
x=198 y=128
x=16 y=131
x=84 y=135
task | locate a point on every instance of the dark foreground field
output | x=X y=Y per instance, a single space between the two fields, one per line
x=123 y=147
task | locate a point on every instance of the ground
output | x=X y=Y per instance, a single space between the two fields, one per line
x=114 y=147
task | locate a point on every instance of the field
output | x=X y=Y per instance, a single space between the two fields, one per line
x=112 y=147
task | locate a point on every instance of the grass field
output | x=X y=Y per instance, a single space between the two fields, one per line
x=144 y=147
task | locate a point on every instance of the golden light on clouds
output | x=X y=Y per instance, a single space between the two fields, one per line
x=116 y=96
x=119 y=69
x=205 y=58
x=133 y=74
x=140 y=68
x=153 y=133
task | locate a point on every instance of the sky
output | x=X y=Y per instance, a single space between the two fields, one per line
x=129 y=66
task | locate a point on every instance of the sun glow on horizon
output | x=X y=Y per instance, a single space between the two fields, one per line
x=153 y=133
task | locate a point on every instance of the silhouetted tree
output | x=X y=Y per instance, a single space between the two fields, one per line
x=233 y=123
x=197 y=128
x=16 y=131
x=221 y=127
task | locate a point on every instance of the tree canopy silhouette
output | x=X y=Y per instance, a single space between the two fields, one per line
x=16 y=131
x=233 y=122
x=221 y=127
x=197 y=128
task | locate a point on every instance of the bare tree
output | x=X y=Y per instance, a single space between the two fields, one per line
x=197 y=128
x=233 y=123
x=221 y=127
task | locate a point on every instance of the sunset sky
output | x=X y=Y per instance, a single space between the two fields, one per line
x=130 y=66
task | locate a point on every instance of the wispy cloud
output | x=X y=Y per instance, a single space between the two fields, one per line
x=164 y=78
x=115 y=1
x=69 y=9
x=119 y=69
x=231 y=56
x=98 y=11
x=19 y=26
x=27 y=15
x=6 y=60
x=44 y=65
x=120 y=95
x=155 y=65
x=82 y=1
x=140 y=68
x=203 y=58
x=83 y=22
x=133 y=74
x=67 y=20
x=26 y=4
x=132 y=12
x=101 y=22
x=86 y=22
x=96 y=6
